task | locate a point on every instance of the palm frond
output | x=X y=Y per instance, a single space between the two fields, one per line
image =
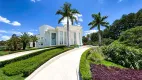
x=72 y=18
x=59 y=21
x=75 y=11
x=105 y=24
x=59 y=12
x=104 y=17
x=93 y=25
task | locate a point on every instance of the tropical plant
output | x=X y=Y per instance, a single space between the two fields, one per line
x=25 y=38
x=13 y=43
x=132 y=37
x=98 y=21
x=67 y=12
x=33 y=39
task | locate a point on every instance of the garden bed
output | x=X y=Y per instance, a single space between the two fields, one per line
x=18 y=70
x=101 y=72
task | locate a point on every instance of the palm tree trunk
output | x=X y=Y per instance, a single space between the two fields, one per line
x=99 y=34
x=68 y=40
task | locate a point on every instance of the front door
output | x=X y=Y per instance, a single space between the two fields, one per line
x=53 y=39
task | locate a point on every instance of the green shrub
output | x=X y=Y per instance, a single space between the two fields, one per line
x=107 y=41
x=85 y=66
x=126 y=56
x=22 y=57
x=27 y=66
x=95 y=55
x=132 y=37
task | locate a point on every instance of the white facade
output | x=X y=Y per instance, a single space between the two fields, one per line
x=50 y=36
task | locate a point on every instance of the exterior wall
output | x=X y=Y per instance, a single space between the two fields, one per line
x=46 y=31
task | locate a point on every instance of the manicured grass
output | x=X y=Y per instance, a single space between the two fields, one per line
x=10 y=52
x=24 y=68
x=4 y=52
x=84 y=67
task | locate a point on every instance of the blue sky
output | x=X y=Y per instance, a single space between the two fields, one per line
x=18 y=16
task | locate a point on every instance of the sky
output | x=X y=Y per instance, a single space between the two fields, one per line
x=18 y=16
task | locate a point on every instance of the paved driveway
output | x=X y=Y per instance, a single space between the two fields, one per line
x=62 y=67
x=14 y=55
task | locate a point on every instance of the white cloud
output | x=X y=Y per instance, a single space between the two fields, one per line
x=5 y=37
x=89 y=32
x=77 y=16
x=5 y=20
x=35 y=0
x=30 y=33
x=15 y=23
x=3 y=31
x=120 y=1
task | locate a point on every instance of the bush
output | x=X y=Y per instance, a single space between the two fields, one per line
x=85 y=66
x=126 y=56
x=107 y=41
x=27 y=66
x=132 y=37
x=22 y=57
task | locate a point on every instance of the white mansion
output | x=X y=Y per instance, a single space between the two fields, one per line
x=50 y=36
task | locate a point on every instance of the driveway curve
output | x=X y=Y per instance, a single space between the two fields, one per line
x=61 y=67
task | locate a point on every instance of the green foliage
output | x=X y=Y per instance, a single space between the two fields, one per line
x=124 y=23
x=22 y=57
x=123 y=55
x=96 y=55
x=33 y=39
x=25 y=39
x=132 y=37
x=5 y=77
x=14 y=43
x=85 y=66
x=27 y=66
x=98 y=21
x=107 y=41
x=84 y=40
x=93 y=56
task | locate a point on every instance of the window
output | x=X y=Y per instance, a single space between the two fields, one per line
x=65 y=37
x=61 y=37
x=74 y=37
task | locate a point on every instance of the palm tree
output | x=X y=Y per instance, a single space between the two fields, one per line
x=67 y=12
x=34 y=39
x=98 y=22
x=25 y=40
x=14 y=42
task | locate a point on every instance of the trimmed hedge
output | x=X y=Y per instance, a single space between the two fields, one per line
x=27 y=66
x=22 y=57
x=126 y=56
x=85 y=66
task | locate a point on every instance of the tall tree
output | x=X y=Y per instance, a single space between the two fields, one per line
x=25 y=40
x=98 y=21
x=67 y=12
x=34 y=39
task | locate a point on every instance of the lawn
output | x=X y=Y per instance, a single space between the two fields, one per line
x=19 y=70
x=2 y=52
